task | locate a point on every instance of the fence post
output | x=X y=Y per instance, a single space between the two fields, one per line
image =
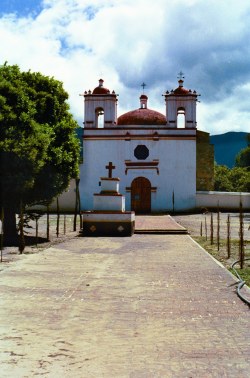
x=228 y=237
x=212 y=230
x=36 y=230
x=21 y=246
x=241 y=238
x=48 y=222
x=218 y=229
x=57 y=217
x=77 y=203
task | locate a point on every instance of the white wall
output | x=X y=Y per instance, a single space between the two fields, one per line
x=66 y=201
x=227 y=201
x=223 y=200
x=177 y=167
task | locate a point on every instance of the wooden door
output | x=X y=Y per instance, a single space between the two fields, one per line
x=141 y=195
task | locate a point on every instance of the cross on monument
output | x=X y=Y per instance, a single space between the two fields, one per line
x=143 y=86
x=110 y=168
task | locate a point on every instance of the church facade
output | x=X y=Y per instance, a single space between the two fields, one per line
x=154 y=158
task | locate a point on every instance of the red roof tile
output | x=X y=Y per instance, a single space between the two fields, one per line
x=142 y=116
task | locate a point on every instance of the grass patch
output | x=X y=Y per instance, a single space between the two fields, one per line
x=244 y=274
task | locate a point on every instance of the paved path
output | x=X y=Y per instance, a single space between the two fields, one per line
x=158 y=224
x=148 y=306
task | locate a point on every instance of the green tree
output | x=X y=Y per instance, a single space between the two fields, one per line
x=236 y=179
x=243 y=158
x=222 y=180
x=39 y=151
x=248 y=139
x=240 y=179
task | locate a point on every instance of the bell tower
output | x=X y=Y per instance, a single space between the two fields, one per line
x=181 y=104
x=100 y=107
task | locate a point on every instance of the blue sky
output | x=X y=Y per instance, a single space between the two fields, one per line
x=127 y=42
x=20 y=7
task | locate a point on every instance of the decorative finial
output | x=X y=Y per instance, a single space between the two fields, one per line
x=143 y=86
x=180 y=75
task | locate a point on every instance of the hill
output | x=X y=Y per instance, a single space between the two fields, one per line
x=227 y=146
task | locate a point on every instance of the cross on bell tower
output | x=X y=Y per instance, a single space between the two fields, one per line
x=180 y=75
x=181 y=104
x=181 y=78
x=100 y=107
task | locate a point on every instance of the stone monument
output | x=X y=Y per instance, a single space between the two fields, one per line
x=108 y=216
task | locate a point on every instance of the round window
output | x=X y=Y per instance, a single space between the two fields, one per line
x=141 y=152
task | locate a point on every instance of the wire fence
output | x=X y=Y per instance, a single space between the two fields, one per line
x=217 y=227
x=36 y=228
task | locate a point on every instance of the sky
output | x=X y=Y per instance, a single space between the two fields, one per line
x=128 y=42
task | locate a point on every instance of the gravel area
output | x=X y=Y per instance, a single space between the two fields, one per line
x=193 y=223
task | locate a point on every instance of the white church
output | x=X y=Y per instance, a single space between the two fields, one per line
x=152 y=154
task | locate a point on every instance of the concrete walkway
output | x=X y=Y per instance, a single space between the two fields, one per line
x=148 y=306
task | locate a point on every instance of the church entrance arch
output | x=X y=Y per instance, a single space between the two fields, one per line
x=141 y=195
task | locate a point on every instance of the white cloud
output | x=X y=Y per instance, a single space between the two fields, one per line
x=130 y=41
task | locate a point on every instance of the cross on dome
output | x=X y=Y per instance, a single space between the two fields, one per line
x=110 y=168
x=143 y=86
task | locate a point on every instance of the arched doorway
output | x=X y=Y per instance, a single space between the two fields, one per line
x=141 y=195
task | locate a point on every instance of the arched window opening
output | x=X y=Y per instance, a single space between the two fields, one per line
x=181 y=118
x=99 y=118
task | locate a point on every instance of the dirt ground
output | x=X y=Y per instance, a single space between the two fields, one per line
x=34 y=244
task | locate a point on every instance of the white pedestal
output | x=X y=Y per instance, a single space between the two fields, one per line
x=110 y=185
x=106 y=202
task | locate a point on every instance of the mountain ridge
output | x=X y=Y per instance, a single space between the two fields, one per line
x=227 y=146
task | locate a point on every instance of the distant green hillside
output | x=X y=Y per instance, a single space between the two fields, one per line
x=227 y=146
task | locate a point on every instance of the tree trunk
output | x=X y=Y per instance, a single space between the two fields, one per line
x=10 y=235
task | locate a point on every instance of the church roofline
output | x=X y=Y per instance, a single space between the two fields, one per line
x=187 y=93
x=100 y=95
x=180 y=90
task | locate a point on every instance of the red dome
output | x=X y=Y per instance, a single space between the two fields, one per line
x=181 y=91
x=142 y=116
x=100 y=90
